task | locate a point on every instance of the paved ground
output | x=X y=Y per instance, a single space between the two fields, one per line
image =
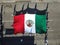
x=54 y=18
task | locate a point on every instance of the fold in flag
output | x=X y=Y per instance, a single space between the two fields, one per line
x=30 y=23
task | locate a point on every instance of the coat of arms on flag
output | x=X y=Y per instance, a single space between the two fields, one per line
x=29 y=23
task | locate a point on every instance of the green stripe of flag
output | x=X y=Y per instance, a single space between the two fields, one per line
x=40 y=24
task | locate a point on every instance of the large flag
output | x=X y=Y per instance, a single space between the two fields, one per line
x=30 y=23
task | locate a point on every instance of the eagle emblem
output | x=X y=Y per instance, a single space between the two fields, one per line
x=29 y=23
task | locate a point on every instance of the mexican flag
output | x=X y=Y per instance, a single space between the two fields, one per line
x=30 y=23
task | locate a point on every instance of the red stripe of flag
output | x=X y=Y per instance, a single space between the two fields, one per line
x=18 y=24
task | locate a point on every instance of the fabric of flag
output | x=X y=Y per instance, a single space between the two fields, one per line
x=18 y=24
x=30 y=23
x=41 y=24
x=35 y=23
